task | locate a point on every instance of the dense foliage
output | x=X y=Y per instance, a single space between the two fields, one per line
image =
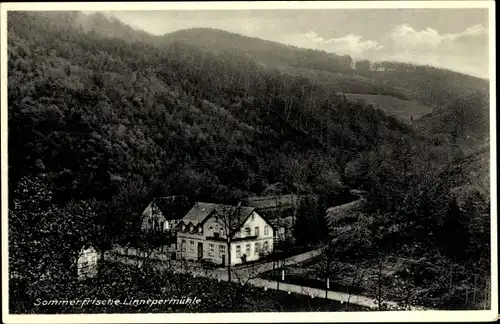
x=97 y=114
x=428 y=84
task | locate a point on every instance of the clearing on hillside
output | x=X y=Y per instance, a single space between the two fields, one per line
x=404 y=109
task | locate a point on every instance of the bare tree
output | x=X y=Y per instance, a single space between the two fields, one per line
x=228 y=217
x=328 y=251
x=298 y=172
x=356 y=280
x=379 y=281
x=244 y=277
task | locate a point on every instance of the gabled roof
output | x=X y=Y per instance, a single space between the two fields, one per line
x=200 y=212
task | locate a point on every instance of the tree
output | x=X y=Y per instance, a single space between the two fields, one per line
x=455 y=236
x=310 y=225
x=229 y=218
x=345 y=242
x=45 y=239
x=297 y=172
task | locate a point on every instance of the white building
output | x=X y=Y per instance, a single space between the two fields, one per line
x=87 y=263
x=202 y=234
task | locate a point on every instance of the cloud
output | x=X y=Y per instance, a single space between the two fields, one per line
x=475 y=30
x=407 y=37
x=347 y=45
x=465 y=51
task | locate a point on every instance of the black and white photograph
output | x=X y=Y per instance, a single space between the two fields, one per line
x=248 y=162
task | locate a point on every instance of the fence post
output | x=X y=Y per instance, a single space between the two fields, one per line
x=327 y=287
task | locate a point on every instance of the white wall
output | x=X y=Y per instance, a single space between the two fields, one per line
x=87 y=263
x=255 y=220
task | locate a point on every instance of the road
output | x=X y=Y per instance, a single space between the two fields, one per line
x=249 y=275
x=251 y=270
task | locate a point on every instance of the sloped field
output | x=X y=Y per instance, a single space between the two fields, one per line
x=404 y=109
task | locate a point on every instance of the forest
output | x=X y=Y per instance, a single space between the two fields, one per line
x=99 y=125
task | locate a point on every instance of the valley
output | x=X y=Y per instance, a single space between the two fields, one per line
x=103 y=119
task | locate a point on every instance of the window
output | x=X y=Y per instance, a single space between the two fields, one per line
x=257 y=231
x=238 y=251
x=222 y=250
x=257 y=248
x=210 y=231
x=247 y=249
x=183 y=245
x=248 y=231
x=211 y=249
x=266 y=230
x=191 y=246
x=265 y=247
x=200 y=230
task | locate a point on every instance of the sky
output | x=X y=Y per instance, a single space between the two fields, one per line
x=456 y=39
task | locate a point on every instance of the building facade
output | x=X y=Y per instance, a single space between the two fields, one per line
x=203 y=234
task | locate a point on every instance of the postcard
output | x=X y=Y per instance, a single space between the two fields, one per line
x=212 y=162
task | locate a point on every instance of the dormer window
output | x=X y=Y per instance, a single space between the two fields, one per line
x=200 y=230
x=183 y=227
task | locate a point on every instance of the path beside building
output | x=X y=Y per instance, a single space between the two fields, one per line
x=248 y=275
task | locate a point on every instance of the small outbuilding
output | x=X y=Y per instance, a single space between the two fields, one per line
x=87 y=263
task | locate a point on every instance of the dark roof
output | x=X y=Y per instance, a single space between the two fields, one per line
x=172 y=207
x=201 y=211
